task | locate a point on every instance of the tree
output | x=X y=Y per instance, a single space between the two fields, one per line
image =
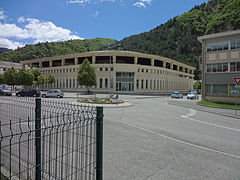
x=25 y=77
x=51 y=79
x=41 y=80
x=197 y=84
x=1 y=79
x=36 y=73
x=86 y=75
x=10 y=77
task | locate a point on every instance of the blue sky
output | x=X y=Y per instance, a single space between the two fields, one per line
x=30 y=21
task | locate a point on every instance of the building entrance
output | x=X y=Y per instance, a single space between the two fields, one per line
x=124 y=81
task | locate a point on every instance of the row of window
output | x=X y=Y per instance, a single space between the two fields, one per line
x=224 y=67
x=222 y=90
x=223 y=45
x=159 y=71
x=160 y=85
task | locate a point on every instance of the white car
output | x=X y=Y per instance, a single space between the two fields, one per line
x=192 y=95
x=53 y=93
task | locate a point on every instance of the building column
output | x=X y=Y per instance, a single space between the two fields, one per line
x=152 y=62
x=114 y=59
x=50 y=63
x=164 y=64
x=75 y=61
x=135 y=60
x=171 y=65
x=63 y=62
x=40 y=64
x=93 y=59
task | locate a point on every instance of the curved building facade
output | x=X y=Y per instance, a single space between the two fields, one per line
x=119 y=71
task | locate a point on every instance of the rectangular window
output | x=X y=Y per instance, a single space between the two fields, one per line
x=137 y=84
x=233 y=66
x=214 y=67
x=146 y=84
x=142 y=84
x=219 y=67
x=225 y=67
x=106 y=83
x=100 y=83
x=209 y=67
x=238 y=66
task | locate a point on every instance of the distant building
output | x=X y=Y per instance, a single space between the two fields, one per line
x=4 y=65
x=221 y=63
x=119 y=71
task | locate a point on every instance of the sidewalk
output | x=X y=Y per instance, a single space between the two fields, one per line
x=192 y=104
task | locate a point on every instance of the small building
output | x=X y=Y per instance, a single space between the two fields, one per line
x=4 y=65
x=221 y=64
x=119 y=71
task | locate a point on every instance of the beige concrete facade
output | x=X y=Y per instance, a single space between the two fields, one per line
x=119 y=71
x=221 y=63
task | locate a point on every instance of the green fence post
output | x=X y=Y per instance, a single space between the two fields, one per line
x=99 y=144
x=38 y=138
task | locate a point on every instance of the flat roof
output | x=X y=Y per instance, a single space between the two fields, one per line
x=216 y=35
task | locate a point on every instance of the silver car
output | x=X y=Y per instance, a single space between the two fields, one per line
x=53 y=93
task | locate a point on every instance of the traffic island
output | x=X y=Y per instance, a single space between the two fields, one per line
x=104 y=102
x=96 y=100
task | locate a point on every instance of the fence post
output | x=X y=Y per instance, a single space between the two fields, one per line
x=99 y=144
x=38 y=138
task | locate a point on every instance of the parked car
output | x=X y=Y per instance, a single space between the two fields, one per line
x=53 y=93
x=192 y=95
x=4 y=91
x=176 y=95
x=29 y=92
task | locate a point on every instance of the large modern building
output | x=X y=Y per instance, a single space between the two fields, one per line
x=119 y=71
x=221 y=64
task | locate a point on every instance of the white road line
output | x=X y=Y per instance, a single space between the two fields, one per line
x=193 y=112
x=180 y=141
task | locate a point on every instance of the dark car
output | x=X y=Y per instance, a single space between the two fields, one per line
x=29 y=92
x=4 y=91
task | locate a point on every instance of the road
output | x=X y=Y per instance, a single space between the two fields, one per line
x=153 y=140
x=157 y=140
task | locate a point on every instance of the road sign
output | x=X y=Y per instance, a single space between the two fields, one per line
x=237 y=80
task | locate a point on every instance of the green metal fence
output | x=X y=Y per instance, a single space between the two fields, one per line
x=50 y=139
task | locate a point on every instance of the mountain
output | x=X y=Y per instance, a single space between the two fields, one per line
x=2 y=50
x=49 y=49
x=177 y=38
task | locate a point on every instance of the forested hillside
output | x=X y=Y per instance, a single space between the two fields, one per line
x=49 y=49
x=177 y=38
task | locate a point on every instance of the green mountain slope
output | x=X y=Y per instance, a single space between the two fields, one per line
x=47 y=49
x=177 y=38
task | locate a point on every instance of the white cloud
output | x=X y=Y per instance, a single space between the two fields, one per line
x=34 y=30
x=9 y=44
x=2 y=15
x=139 y=4
x=142 y=3
x=82 y=2
x=96 y=14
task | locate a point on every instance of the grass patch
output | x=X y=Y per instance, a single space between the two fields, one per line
x=96 y=100
x=218 y=105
